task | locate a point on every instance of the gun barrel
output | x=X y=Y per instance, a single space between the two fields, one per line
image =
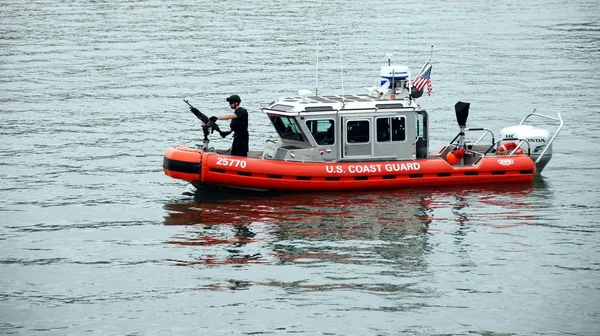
x=197 y=113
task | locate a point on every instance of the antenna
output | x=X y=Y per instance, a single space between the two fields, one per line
x=317 y=74
x=341 y=62
x=408 y=47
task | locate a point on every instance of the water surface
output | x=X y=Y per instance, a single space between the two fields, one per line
x=95 y=239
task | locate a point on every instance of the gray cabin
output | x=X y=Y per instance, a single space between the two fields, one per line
x=380 y=126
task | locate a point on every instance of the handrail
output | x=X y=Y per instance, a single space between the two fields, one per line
x=519 y=144
x=559 y=119
x=487 y=130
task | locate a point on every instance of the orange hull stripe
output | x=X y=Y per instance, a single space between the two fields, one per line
x=284 y=175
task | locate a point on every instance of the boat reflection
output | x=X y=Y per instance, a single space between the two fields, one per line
x=357 y=228
x=289 y=227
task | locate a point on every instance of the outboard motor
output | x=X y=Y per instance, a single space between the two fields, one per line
x=536 y=141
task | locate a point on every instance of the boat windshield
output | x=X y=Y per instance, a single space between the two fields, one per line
x=287 y=128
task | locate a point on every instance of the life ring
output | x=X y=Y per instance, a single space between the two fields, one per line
x=509 y=147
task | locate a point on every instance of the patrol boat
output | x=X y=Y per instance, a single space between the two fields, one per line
x=376 y=140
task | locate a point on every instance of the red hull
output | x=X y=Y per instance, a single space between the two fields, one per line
x=198 y=167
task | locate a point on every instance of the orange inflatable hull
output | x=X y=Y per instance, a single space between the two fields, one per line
x=207 y=168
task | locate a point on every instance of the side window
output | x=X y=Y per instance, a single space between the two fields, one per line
x=357 y=131
x=323 y=131
x=383 y=129
x=420 y=126
x=391 y=129
x=398 y=129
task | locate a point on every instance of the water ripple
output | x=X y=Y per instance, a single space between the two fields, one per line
x=94 y=238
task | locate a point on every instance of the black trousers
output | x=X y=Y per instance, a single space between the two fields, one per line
x=239 y=146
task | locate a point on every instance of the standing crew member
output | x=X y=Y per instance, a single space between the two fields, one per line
x=238 y=125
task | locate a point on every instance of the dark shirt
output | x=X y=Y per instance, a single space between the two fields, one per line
x=239 y=125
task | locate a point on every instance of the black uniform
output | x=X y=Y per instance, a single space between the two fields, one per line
x=239 y=125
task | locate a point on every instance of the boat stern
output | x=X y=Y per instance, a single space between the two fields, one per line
x=536 y=141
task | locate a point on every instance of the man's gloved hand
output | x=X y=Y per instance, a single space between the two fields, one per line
x=224 y=134
x=213 y=119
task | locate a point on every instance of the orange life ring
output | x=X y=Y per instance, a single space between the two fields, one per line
x=509 y=147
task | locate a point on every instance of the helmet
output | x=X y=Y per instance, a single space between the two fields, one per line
x=234 y=99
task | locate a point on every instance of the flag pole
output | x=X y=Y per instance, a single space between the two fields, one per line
x=426 y=63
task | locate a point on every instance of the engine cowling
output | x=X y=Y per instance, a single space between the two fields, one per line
x=536 y=140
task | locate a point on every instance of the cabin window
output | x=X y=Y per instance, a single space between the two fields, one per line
x=322 y=130
x=287 y=128
x=284 y=108
x=357 y=131
x=420 y=126
x=391 y=129
x=389 y=106
x=318 y=108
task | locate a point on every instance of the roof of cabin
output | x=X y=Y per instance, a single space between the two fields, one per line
x=336 y=102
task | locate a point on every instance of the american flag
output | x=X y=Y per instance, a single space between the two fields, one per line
x=424 y=78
